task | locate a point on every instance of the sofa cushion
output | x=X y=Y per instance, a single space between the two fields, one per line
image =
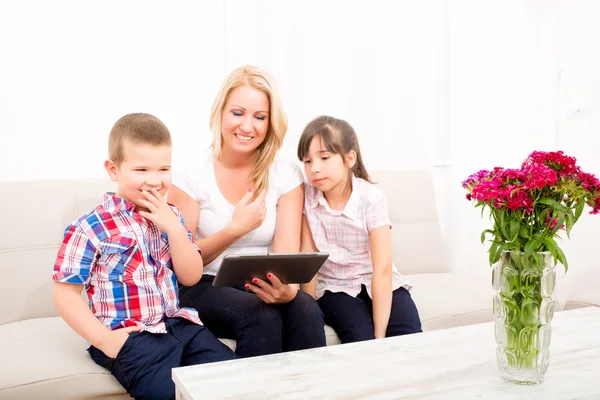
x=26 y=291
x=447 y=300
x=582 y=289
x=48 y=360
x=330 y=336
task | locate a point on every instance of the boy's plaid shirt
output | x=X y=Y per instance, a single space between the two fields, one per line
x=125 y=264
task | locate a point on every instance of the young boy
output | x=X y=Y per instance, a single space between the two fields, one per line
x=127 y=254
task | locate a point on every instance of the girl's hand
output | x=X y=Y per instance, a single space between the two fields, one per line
x=273 y=292
x=379 y=333
x=159 y=212
x=247 y=215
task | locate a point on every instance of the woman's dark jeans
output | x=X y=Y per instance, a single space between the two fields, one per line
x=257 y=327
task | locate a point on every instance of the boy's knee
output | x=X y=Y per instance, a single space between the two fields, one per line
x=205 y=347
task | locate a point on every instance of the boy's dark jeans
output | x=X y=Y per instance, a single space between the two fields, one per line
x=352 y=317
x=258 y=328
x=143 y=365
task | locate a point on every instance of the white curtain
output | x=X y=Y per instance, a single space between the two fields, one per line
x=71 y=68
x=376 y=64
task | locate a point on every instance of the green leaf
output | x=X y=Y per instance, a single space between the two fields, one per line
x=496 y=250
x=551 y=246
x=561 y=221
x=514 y=229
x=554 y=204
x=562 y=258
x=493 y=249
x=532 y=246
x=570 y=221
x=524 y=232
x=503 y=227
x=543 y=216
x=483 y=234
x=579 y=208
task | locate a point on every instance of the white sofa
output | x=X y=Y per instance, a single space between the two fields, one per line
x=43 y=358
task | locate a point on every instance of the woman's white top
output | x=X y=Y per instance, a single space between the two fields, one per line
x=198 y=180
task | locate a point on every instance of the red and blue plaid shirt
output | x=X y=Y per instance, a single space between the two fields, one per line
x=125 y=265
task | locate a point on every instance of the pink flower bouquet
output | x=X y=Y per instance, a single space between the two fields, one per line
x=530 y=205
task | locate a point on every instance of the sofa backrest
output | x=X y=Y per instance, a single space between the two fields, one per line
x=417 y=240
x=34 y=214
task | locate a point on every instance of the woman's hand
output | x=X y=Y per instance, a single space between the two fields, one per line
x=249 y=215
x=273 y=292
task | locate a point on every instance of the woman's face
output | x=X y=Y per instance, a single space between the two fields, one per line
x=245 y=119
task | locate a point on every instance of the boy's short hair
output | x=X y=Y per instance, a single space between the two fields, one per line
x=137 y=128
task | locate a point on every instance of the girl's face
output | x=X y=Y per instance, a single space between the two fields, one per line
x=325 y=170
x=245 y=119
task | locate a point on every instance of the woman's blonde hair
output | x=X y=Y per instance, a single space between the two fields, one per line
x=248 y=75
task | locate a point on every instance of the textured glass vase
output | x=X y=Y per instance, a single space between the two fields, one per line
x=523 y=308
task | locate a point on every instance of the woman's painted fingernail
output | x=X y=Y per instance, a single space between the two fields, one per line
x=247 y=286
x=250 y=189
x=254 y=280
x=269 y=276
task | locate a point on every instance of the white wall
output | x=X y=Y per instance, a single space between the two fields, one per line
x=373 y=63
x=78 y=66
x=519 y=70
x=578 y=130
x=502 y=105
x=70 y=69
x=454 y=86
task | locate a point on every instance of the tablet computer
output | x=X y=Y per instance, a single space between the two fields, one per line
x=238 y=269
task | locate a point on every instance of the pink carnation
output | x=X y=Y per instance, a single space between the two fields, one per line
x=475 y=178
x=556 y=160
x=486 y=190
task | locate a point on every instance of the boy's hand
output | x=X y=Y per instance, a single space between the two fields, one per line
x=160 y=212
x=114 y=340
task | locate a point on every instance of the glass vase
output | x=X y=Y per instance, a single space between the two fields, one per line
x=523 y=309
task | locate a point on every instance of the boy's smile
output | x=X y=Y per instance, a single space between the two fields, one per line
x=144 y=167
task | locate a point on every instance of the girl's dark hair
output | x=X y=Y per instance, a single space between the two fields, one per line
x=338 y=137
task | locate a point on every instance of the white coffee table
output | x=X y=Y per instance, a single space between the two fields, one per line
x=457 y=363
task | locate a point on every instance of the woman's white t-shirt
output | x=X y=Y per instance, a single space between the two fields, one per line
x=198 y=180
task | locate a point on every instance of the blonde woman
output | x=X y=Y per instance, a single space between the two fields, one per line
x=241 y=197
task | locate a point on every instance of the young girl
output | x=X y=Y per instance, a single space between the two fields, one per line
x=360 y=291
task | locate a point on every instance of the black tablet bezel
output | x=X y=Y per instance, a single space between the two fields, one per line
x=238 y=269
